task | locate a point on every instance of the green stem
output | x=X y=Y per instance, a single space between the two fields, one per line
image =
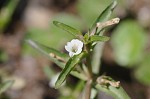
x=88 y=61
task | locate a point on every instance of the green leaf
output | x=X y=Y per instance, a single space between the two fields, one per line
x=111 y=87
x=128 y=42
x=96 y=57
x=97 y=52
x=67 y=18
x=96 y=38
x=67 y=28
x=50 y=37
x=104 y=16
x=142 y=72
x=117 y=93
x=89 y=10
x=6 y=13
x=47 y=50
x=68 y=68
x=5 y=85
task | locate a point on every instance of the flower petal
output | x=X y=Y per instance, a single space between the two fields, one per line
x=75 y=44
x=68 y=47
x=71 y=54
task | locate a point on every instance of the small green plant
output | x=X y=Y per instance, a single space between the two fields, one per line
x=83 y=59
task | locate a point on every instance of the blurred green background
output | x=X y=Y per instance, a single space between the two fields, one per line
x=126 y=57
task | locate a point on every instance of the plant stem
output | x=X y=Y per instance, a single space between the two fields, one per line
x=88 y=85
x=88 y=61
x=87 y=91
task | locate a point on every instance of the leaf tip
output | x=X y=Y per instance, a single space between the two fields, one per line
x=57 y=85
x=114 y=3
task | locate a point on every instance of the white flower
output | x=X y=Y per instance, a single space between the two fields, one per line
x=74 y=47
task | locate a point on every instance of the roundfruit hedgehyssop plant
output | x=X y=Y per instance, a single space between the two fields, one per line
x=84 y=55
